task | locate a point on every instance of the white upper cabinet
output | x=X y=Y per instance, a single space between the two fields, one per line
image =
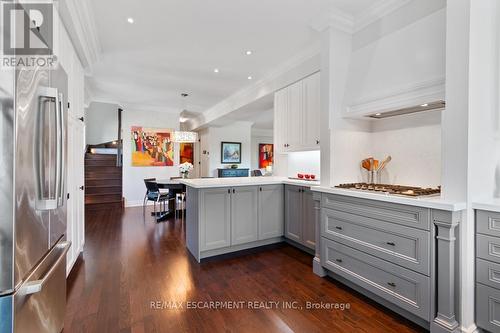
x=297 y=116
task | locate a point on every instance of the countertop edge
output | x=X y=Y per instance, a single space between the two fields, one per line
x=490 y=206
x=244 y=182
x=433 y=203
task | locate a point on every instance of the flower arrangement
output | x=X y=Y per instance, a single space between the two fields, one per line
x=184 y=169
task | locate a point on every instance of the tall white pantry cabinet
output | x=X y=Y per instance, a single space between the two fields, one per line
x=297 y=116
x=69 y=60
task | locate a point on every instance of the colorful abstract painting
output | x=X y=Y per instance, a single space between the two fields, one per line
x=186 y=153
x=152 y=147
x=266 y=155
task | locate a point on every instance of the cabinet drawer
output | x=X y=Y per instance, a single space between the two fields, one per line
x=488 y=248
x=488 y=223
x=416 y=217
x=402 y=287
x=488 y=273
x=488 y=308
x=398 y=244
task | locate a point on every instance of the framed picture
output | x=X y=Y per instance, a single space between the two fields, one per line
x=151 y=147
x=186 y=152
x=230 y=152
x=266 y=155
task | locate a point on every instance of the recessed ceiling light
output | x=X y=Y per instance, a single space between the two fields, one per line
x=216 y=70
x=249 y=52
x=424 y=105
x=378 y=114
x=130 y=20
x=249 y=77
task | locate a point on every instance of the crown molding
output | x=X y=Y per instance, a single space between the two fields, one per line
x=334 y=18
x=77 y=17
x=377 y=11
x=401 y=97
x=340 y=20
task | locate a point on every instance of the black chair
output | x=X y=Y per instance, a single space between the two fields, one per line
x=154 y=194
x=256 y=173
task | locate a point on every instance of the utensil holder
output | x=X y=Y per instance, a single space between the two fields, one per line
x=373 y=177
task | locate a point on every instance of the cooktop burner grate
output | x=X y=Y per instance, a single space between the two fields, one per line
x=409 y=191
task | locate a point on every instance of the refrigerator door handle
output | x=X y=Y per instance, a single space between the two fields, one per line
x=61 y=151
x=36 y=286
x=46 y=96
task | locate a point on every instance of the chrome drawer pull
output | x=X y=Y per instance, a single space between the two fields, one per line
x=339 y=228
x=338 y=260
x=392 y=284
x=391 y=243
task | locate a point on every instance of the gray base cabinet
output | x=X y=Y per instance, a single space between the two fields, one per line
x=392 y=252
x=299 y=216
x=271 y=211
x=244 y=215
x=228 y=219
x=215 y=218
x=488 y=270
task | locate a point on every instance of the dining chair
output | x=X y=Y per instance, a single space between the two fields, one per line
x=256 y=173
x=154 y=194
x=179 y=197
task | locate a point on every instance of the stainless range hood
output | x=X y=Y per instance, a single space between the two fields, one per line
x=434 y=106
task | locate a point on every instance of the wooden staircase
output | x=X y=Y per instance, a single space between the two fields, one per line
x=103 y=182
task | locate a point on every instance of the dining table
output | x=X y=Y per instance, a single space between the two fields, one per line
x=174 y=186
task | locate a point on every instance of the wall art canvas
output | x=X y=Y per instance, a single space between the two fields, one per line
x=266 y=155
x=152 y=147
x=186 y=152
x=231 y=152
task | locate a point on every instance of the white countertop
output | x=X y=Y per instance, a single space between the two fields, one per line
x=491 y=205
x=244 y=181
x=427 y=202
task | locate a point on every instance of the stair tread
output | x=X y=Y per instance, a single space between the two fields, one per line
x=101 y=194
x=102 y=186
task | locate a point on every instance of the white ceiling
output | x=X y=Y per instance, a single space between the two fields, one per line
x=260 y=113
x=174 y=46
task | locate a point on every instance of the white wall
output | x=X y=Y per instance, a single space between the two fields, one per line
x=258 y=137
x=211 y=139
x=133 y=177
x=414 y=142
x=101 y=121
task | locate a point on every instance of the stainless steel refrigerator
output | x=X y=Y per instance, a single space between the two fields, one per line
x=33 y=246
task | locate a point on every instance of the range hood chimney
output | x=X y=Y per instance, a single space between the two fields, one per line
x=438 y=105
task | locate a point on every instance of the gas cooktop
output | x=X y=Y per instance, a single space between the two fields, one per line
x=409 y=191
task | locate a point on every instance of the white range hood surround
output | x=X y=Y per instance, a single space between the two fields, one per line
x=401 y=70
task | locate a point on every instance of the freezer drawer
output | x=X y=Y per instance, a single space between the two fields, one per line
x=40 y=303
x=487 y=308
x=400 y=286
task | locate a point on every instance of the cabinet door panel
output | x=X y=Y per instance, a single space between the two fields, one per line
x=293 y=213
x=215 y=218
x=295 y=116
x=280 y=116
x=244 y=215
x=308 y=220
x=271 y=211
x=312 y=111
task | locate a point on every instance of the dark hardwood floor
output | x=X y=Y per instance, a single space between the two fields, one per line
x=128 y=264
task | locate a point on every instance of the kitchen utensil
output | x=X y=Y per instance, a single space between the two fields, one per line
x=384 y=163
x=365 y=164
